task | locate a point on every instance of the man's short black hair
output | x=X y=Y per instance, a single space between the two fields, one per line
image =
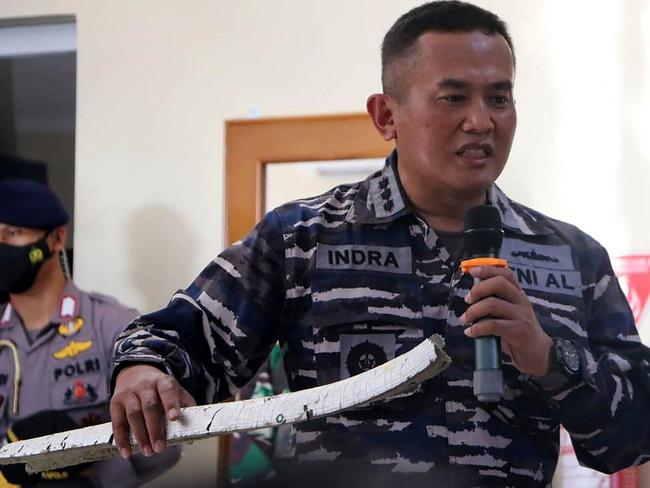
x=439 y=16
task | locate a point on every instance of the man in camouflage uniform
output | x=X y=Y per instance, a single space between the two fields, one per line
x=55 y=343
x=366 y=271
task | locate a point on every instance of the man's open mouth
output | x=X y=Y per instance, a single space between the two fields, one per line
x=475 y=151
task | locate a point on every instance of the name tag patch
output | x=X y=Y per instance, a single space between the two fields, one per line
x=565 y=282
x=542 y=267
x=78 y=368
x=368 y=258
x=362 y=352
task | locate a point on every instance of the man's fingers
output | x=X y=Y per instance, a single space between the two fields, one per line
x=120 y=429
x=489 y=307
x=490 y=327
x=154 y=419
x=137 y=423
x=499 y=286
x=169 y=395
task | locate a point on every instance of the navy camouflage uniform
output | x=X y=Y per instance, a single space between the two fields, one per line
x=65 y=367
x=354 y=277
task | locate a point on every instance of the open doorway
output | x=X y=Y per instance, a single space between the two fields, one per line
x=38 y=71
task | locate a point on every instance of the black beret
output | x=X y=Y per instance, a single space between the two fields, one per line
x=27 y=203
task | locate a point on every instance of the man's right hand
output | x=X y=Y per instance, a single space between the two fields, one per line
x=143 y=397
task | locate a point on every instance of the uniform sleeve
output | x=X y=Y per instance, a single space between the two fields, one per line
x=215 y=335
x=114 y=321
x=115 y=317
x=608 y=414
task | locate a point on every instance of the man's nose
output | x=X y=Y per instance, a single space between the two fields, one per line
x=478 y=119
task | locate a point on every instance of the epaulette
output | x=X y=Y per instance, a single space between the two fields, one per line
x=101 y=298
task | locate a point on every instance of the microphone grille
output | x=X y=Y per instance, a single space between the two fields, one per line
x=482 y=217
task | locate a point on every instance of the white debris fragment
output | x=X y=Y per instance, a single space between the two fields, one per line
x=396 y=377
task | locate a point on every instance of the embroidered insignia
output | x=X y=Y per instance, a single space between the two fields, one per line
x=73 y=349
x=68 y=307
x=534 y=256
x=79 y=393
x=36 y=255
x=363 y=357
x=362 y=352
x=6 y=315
x=71 y=327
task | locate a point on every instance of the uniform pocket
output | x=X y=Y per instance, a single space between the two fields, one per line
x=362 y=320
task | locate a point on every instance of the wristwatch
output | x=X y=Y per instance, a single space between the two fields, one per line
x=566 y=366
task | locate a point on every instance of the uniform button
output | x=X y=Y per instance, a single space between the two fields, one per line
x=383 y=183
x=386 y=194
x=388 y=205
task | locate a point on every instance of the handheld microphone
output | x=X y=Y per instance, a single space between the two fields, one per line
x=483 y=237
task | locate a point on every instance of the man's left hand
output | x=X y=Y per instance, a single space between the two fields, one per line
x=506 y=312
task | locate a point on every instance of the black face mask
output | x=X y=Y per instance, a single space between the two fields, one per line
x=19 y=265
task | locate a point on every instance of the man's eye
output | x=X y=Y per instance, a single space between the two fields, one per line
x=500 y=100
x=10 y=233
x=453 y=98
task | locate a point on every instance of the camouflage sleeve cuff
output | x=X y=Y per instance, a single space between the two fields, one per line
x=125 y=362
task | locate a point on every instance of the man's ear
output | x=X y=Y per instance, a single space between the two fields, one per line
x=59 y=236
x=379 y=106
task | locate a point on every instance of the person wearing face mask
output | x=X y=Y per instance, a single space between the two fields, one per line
x=55 y=343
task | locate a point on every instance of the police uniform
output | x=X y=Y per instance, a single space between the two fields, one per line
x=355 y=277
x=56 y=378
x=65 y=368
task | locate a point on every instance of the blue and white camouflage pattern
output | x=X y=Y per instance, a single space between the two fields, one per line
x=354 y=277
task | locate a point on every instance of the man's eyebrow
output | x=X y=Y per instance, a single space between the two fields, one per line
x=503 y=85
x=452 y=83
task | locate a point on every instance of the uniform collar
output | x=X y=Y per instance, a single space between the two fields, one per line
x=69 y=304
x=381 y=199
x=67 y=309
x=5 y=316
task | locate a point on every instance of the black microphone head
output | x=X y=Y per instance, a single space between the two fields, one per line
x=482 y=217
x=483 y=232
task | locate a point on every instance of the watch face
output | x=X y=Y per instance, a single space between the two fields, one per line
x=569 y=356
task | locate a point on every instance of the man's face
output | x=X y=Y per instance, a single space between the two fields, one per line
x=19 y=236
x=455 y=122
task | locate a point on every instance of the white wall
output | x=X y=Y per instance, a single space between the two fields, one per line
x=157 y=79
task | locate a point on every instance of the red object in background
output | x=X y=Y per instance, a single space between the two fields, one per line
x=634 y=276
x=628 y=478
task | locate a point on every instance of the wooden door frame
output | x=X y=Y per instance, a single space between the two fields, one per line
x=251 y=144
